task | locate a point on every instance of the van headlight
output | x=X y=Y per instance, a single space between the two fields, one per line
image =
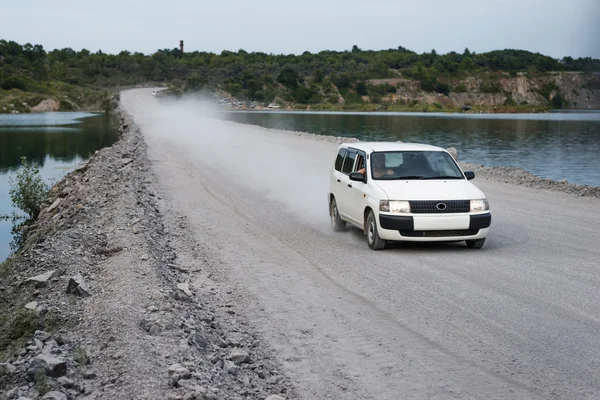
x=395 y=206
x=479 y=205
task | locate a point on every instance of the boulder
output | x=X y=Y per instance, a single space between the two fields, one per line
x=48 y=105
x=55 y=367
x=238 y=356
x=77 y=286
x=54 y=395
x=41 y=280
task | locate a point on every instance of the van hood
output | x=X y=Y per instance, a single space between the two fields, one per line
x=451 y=189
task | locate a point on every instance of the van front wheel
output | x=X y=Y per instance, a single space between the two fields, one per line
x=373 y=239
x=475 y=244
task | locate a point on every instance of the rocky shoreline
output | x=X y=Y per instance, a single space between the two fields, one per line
x=97 y=304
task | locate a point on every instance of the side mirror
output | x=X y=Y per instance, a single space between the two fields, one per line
x=469 y=175
x=357 y=176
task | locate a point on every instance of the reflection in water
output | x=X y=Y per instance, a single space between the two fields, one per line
x=554 y=145
x=57 y=142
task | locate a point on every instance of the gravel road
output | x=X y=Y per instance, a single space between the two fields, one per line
x=518 y=319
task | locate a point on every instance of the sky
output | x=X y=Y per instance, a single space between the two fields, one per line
x=551 y=27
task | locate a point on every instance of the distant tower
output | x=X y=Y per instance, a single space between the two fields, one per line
x=181 y=46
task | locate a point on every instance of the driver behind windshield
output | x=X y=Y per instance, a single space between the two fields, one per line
x=378 y=164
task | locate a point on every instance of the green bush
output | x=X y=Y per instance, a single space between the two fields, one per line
x=29 y=191
x=460 y=88
x=558 y=101
x=547 y=89
x=13 y=82
x=491 y=87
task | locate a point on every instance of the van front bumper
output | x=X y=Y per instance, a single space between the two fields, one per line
x=434 y=227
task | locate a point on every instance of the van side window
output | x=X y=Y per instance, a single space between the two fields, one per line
x=349 y=162
x=339 y=160
x=360 y=163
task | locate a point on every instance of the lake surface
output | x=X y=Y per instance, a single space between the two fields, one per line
x=561 y=145
x=57 y=142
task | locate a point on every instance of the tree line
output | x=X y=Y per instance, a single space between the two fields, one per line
x=304 y=78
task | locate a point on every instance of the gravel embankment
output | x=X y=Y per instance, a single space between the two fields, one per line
x=111 y=304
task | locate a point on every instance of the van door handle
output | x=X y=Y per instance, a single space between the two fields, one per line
x=339 y=180
x=349 y=185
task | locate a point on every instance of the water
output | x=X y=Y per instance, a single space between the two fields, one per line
x=57 y=142
x=561 y=145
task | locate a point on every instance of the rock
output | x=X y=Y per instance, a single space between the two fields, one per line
x=66 y=382
x=32 y=305
x=48 y=105
x=77 y=286
x=89 y=375
x=179 y=371
x=126 y=161
x=42 y=279
x=112 y=250
x=230 y=367
x=66 y=191
x=54 y=367
x=274 y=397
x=54 y=205
x=150 y=326
x=7 y=369
x=54 y=396
x=218 y=340
x=185 y=288
x=82 y=167
x=42 y=336
x=195 y=339
x=453 y=152
x=238 y=356
x=37 y=370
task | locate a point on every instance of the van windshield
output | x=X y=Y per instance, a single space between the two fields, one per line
x=390 y=165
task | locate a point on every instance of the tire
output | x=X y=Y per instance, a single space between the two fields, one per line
x=475 y=244
x=373 y=239
x=337 y=224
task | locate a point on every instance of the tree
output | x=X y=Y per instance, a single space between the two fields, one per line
x=361 y=88
x=29 y=191
x=318 y=76
x=557 y=101
x=288 y=77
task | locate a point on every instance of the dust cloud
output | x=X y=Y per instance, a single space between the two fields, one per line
x=292 y=170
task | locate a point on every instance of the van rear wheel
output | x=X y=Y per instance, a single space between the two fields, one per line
x=373 y=239
x=336 y=222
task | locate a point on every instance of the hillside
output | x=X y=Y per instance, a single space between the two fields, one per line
x=497 y=81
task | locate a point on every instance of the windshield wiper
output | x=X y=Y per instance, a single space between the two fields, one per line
x=443 y=177
x=406 y=177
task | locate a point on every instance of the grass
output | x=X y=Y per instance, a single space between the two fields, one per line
x=81 y=357
x=42 y=385
x=17 y=327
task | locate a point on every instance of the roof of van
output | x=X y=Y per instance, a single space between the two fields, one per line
x=391 y=146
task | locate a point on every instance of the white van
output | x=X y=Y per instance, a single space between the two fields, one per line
x=396 y=191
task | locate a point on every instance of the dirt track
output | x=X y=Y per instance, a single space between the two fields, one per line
x=517 y=319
